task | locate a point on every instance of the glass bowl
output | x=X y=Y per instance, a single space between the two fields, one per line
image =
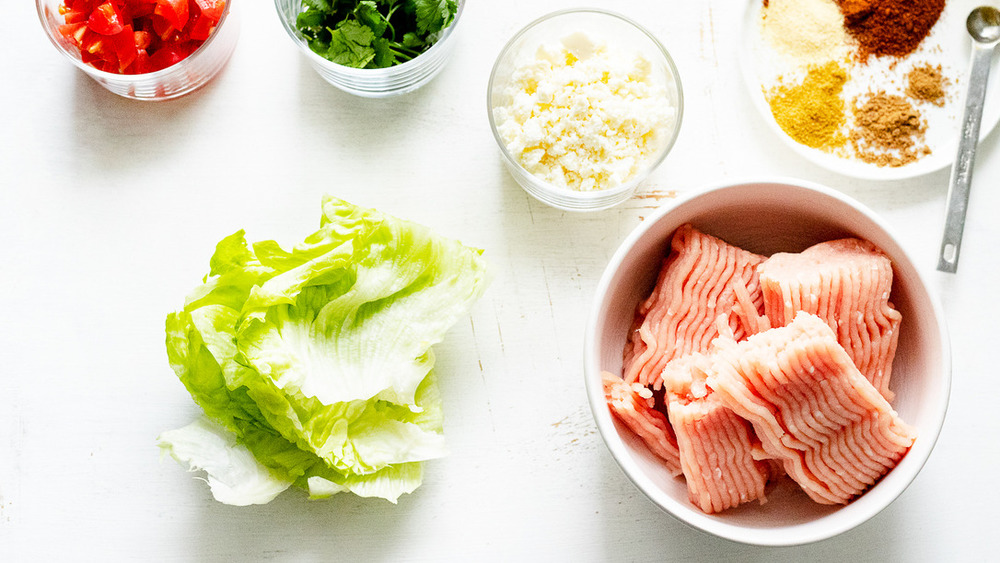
x=374 y=82
x=768 y=216
x=622 y=37
x=184 y=77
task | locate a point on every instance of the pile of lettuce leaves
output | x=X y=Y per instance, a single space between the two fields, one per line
x=314 y=366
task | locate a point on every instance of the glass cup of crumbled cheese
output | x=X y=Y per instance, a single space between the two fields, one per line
x=584 y=105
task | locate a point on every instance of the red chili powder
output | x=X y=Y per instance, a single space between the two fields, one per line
x=892 y=28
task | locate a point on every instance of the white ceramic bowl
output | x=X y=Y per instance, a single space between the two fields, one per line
x=374 y=82
x=179 y=79
x=619 y=32
x=767 y=217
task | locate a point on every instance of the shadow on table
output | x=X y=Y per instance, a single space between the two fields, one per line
x=652 y=534
x=115 y=133
x=342 y=528
x=403 y=123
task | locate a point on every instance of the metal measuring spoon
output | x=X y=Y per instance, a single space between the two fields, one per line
x=983 y=24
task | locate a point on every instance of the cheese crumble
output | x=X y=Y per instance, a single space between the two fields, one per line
x=583 y=116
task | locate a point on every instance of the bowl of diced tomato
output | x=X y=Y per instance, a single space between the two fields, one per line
x=143 y=49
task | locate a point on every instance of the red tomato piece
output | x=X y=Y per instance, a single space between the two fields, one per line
x=141 y=8
x=212 y=9
x=175 y=11
x=73 y=31
x=91 y=42
x=200 y=27
x=106 y=19
x=75 y=16
x=143 y=39
x=85 y=6
x=169 y=55
x=162 y=27
x=125 y=50
x=141 y=65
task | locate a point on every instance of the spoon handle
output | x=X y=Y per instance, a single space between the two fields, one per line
x=961 y=171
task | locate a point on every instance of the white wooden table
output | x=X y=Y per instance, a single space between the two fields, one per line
x=110 y=210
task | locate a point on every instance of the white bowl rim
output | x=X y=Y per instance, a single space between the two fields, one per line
x=784 y=536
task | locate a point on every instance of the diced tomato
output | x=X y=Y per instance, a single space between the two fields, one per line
x=141 y=8
x=201 y=27
x=175 y=11
x=86 y=6
x=142 y=39
x=212 y=9
x=169 y=55
x=91 y=42
x=138 y=36
x=141 y=65
x=75 y=16
x=106 y=19
x=162 y=27
x=125 y=49
x=73 y=31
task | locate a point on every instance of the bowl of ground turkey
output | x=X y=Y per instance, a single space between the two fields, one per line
x=765 y=362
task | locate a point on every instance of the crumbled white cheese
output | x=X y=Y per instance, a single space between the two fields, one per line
x=584 y=116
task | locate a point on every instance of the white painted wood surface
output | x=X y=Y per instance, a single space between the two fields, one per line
x=109 y=212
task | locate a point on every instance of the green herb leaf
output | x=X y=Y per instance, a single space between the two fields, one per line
x=310 y=23
x=367 y=14
x=319 y=5
x=384 y=55
x=351 y=45
x=433 y=15
x=347 y=32
x=412 y=41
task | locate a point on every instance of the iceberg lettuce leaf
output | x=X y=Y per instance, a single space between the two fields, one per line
x=317 y=361
x=234 y=474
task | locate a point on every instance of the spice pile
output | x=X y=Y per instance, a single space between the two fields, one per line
x=831 y=48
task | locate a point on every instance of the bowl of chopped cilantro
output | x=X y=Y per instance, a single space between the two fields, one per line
x=373 y=48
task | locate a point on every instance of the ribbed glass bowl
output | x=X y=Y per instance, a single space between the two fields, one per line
x=374 y=82
x=184 y=77
x=617 y=31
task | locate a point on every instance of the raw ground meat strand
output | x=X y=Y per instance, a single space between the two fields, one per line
x=748 y=307
x=716 y=456
x=837 y=443
x=717 y=448
x=694 y=286
x=847 y=283
x=637 y=413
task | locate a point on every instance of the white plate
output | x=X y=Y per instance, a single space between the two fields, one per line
x=948 y=44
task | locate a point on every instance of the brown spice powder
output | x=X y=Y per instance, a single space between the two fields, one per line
x=888 y=131
x=892 y=28
x=926 y=83
x=854 y=10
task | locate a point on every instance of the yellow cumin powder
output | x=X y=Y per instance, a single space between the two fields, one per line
x=813 y=112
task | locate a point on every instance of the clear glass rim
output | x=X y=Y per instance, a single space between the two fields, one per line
x=41 y=7
x=368 y=74
x=595 y=197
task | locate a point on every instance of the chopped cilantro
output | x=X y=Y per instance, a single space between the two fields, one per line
x=373 y=33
